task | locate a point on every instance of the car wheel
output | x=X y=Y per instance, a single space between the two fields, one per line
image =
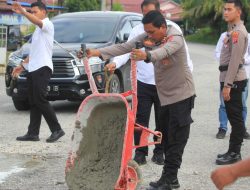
x=115 y=85
x=21 y=105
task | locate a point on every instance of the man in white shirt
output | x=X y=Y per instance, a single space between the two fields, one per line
x=40 y=67
x=146 y=89
x=222 y=110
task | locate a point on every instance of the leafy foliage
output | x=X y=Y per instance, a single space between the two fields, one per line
x=117 y=7
x=82 y=5
x=207 y=12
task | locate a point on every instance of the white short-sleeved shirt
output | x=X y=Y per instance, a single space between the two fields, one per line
x=41 y=46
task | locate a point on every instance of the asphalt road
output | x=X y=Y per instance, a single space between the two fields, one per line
x=39 y=165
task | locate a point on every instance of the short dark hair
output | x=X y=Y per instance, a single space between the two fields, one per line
x=40 y=5
x=148 y=2
x=237 y=3
x=155 y=18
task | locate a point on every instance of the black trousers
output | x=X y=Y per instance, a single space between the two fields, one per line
x=176 y=119
x=39 y=105
x=234 y=108
x=147 y=96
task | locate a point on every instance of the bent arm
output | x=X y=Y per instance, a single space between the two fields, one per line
x=120 y=49
x=33 y=19
x=17 y=8
x=168 y=49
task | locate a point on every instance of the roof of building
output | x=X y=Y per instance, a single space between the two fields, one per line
x=167 y=6
x=6 y=4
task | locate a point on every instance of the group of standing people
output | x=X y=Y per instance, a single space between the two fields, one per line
x=164 y=76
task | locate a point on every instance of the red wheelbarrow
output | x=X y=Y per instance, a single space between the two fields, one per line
x=102 y=141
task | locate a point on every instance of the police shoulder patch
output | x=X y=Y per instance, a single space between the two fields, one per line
x=235 y=37
x=170 y=38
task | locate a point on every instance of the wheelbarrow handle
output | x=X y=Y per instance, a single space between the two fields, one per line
x=138 y=45
x=145 y=133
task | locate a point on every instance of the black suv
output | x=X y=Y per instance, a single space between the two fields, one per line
x=69 y=81
x=14 y=40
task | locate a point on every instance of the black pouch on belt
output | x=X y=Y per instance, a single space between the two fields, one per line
x=237 y=85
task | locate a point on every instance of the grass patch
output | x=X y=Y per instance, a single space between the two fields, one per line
x=204 y=35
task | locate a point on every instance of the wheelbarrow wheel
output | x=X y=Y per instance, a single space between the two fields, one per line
x=134 y=175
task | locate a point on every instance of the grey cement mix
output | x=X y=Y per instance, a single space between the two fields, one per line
x=98 y=162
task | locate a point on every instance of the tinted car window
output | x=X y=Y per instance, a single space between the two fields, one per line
x=89 y=30
x=126 y=29
x=135 y=22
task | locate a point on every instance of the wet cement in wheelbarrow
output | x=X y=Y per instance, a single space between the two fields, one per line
x=99 y=157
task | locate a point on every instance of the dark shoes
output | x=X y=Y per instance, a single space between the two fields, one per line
x=163 y=187
x=228 y=158
x=140 y=159
x=163 y=183
x=221 y=134
x=28 y=137
x=55 y=136
x=158 y=159
x=246 y=136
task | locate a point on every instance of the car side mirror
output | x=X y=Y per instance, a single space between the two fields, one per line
x=125 y=37
x=118 y=40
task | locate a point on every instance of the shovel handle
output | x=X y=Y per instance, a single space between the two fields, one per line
x=138 y=45
x=88 y=71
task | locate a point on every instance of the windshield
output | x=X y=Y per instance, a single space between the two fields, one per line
x=89 y=30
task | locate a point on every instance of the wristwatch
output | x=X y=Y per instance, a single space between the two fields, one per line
x=148 y=59
x=22 y=64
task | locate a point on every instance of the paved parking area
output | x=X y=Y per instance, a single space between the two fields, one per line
x=44 y=163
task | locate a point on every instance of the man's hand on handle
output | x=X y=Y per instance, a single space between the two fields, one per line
x=138 y=55
x=89 y=53
x=17 y=71
x=111 y=67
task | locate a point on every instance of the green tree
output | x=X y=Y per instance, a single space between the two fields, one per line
x=82 y=5
x=207 y=12
x=177 y=1
x=117 y=7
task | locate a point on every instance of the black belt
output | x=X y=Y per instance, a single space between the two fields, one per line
x=225 y=67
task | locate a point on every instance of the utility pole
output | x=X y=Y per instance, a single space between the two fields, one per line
x=111 y=5
x=103 y=6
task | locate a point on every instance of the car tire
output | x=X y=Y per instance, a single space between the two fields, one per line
x=115 y=85
x=21 y=105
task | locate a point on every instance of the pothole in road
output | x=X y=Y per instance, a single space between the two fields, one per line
x=15 y=163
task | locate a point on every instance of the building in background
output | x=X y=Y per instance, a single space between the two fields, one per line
x=13 y=21
x=172 y=10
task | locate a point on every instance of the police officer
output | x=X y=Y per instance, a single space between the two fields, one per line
x=222 y=110
x=174 y=82
x=146 y=89
x=233 y=78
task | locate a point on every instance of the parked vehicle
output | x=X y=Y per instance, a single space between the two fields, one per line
x=69 y=80
x=14 y=38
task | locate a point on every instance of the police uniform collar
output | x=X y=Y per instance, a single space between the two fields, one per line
x=233 y=26
x=168 y=29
